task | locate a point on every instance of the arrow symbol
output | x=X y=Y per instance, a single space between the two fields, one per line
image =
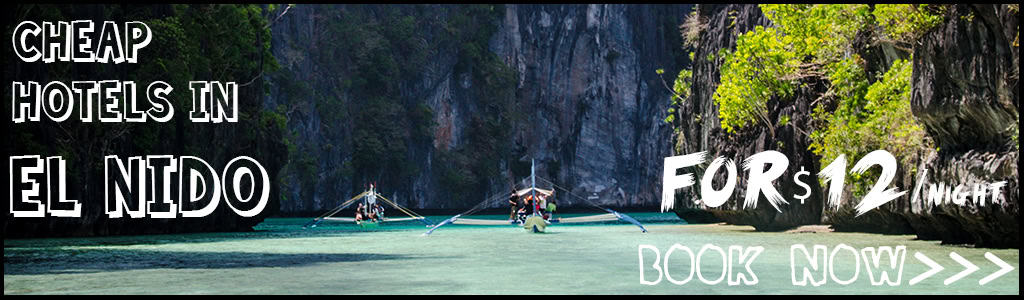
x=935 y=268
x=968 y=268
x=1003 y=268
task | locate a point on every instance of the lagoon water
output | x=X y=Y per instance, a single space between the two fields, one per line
x=280 y=257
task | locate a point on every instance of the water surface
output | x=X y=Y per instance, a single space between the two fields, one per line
x=281 y=257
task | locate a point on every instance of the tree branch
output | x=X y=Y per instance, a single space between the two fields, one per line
x=286 y=8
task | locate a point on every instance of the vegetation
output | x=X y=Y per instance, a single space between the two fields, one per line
x=1014 y=130
x=369 y=56
x=907 y=22
x=809 y=43
x=770 y=61
x=690 y=32
x=680 y=91
x=877 y=117
x=189 y=43
x=691 y=29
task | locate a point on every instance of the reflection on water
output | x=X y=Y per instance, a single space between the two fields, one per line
x=281 y=257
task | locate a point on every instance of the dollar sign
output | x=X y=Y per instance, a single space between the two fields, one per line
x=796 y=178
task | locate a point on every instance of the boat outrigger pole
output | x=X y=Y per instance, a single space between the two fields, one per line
x=627 y=218
x=335 y=210
x=370 y=196
x=618 y=215
x=533 y=179
x=611 y=215
x=445 y=222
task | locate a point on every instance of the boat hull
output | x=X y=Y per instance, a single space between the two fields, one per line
x=535 y=224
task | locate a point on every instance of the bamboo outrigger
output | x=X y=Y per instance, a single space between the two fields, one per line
x=535 y=222
x=369 y=199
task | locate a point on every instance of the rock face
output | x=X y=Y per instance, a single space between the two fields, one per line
x=965 y=92
x=590 y=104
x=595 y=104
x=700 y=130
x=879 y=53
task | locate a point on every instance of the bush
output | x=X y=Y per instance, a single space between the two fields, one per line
x=908 y=22
x=878 y=118
x=769 y=61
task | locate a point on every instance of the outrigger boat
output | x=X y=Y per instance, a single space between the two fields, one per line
x=368 y=199
x=535 y=222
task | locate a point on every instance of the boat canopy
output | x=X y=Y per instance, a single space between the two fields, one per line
x=546 y=193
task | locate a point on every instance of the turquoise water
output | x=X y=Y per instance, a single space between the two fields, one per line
x=281 y=257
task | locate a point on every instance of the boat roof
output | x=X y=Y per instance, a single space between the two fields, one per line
x=525 y=191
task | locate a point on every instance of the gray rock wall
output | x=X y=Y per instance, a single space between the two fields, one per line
x=966 y=93
x=591 y=103
x=700 y=130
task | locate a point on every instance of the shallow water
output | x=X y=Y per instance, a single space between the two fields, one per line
x=281 y=257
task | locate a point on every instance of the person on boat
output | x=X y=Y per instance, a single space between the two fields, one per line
x=378 y=211
x=359 y=212
x=371 y=213
x=513 y=201
x=538 y=204
x=549 y=211
x=526 y=209
x=530 y=206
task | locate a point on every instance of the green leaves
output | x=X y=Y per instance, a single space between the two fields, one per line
x=751 y=75
x=907 y=22
x=681 y=86
x=876 y=116
x=769 y=61
x=858 y=114
x=680 y=91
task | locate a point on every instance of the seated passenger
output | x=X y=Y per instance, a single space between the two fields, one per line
x=359 y=212
x=379 y=211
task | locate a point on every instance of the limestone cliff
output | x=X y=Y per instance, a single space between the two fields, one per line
x=966 y=92
x=700 y=130
x=584 y=101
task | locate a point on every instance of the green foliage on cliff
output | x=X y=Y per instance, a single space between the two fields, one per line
x=907 y=22
x=210 y=42
x=868 y=118
x=810 y=43
x=1015 y=129
x=189 y=43
x=769 y=61
x=751 y=75
x=680 y=91
x=374 y=56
